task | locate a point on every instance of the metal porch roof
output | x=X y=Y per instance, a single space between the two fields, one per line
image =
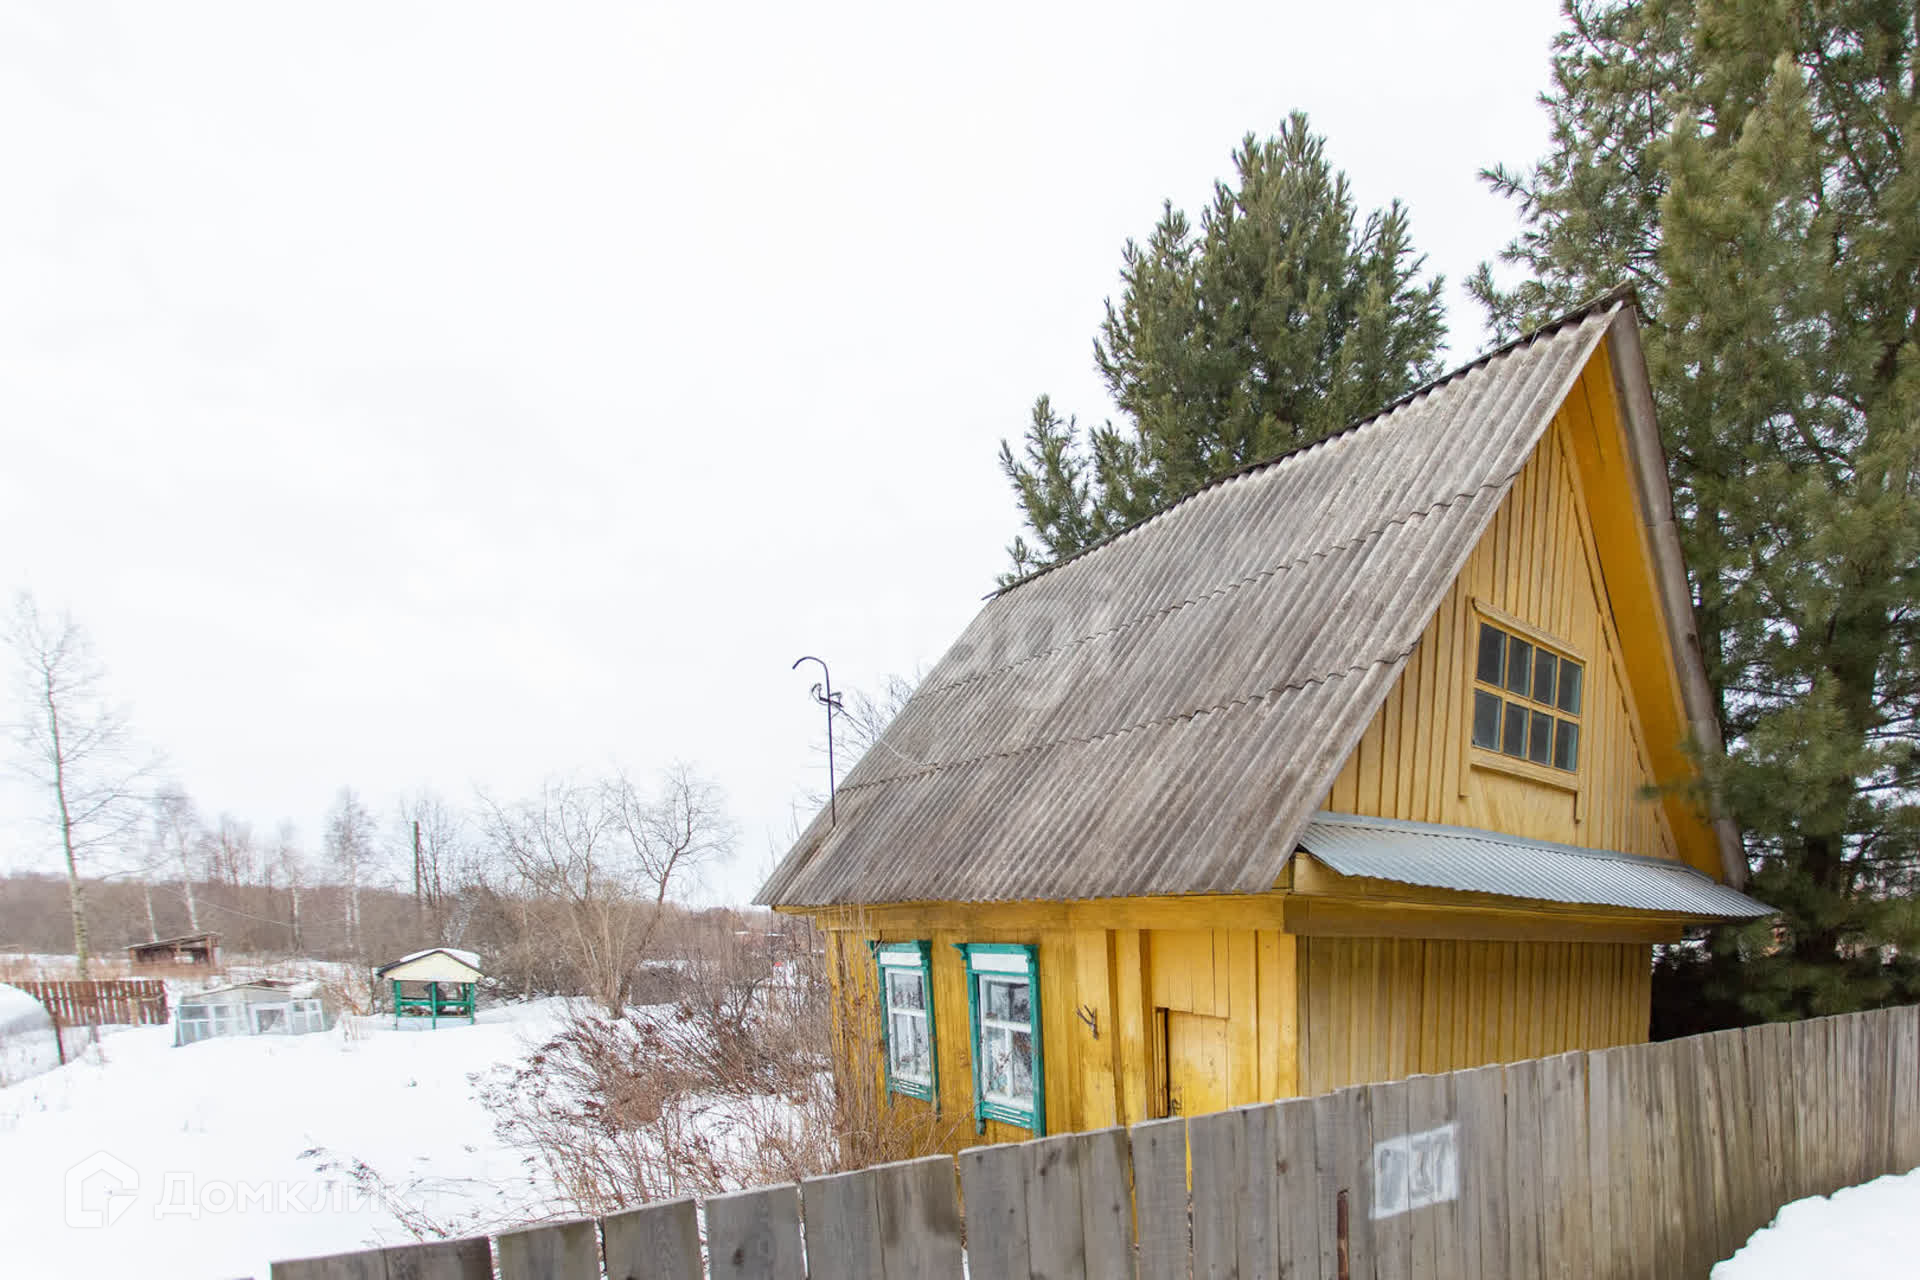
x=1477 y=861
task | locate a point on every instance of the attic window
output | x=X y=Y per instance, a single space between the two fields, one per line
x=1526 y=700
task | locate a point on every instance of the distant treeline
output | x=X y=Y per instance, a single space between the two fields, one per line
x=514 y=932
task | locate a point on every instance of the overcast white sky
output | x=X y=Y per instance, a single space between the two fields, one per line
x=449 y=394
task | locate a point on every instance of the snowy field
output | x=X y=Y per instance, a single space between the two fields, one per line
x=213 y=1160
x=1871 y=1231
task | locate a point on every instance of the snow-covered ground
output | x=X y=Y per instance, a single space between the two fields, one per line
x=1872 y=1230
x=28 y=1042
x=214 y=1159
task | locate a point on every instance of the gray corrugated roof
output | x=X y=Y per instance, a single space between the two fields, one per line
x=1488 y=862
x=1163 y=713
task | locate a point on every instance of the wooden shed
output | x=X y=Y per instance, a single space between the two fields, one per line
x=1369 y=760
x=193 y=950
x=434 y=983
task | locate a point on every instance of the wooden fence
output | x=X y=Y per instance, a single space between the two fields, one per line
x=1645 y=1161
x=137 y=1002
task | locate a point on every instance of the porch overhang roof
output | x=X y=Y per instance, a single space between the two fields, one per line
x=1471 y=860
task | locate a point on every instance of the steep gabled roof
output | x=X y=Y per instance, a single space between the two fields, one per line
x=1163 y=713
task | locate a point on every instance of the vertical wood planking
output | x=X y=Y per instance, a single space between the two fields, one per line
x=1392 y=1237
x=441 y=1260
x=346 y=1266
x=563 y=1251
x=1160 y=1198
x=1218 y=1157
x=993 y=1188
x=842 y=1220
x=1905 y=1033
x=1436 y=1245
x=371 y=1265
x=1297 y=1211
x=1343 y=1152
x=1670 y=1178
x=1106 y=1202
x=1132 y=1007
x=655 y=1242
x=919 y=1212
x=1480 y=1108
x=755 y=1235
x=1640 y=1161
x=1056 y=1225
x=1258 y=1247
x=1744 y=1140
x=1720 y=1143
x=1524 y=1256
x=1561 y=1163
x=1607 y=1244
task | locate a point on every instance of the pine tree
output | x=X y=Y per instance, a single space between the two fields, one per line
x=1754 y=167
x=1281 y=319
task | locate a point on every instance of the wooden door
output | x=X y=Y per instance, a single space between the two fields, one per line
x=1196 y=1058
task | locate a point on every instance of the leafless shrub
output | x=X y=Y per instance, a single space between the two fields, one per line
x=597 y=863
x=730 y=1087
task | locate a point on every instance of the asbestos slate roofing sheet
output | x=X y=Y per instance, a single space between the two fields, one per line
x=1163 y=712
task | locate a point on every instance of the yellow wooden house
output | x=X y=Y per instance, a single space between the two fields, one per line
x=1370 y=760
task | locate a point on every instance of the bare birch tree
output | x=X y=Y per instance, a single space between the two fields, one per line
x=176 y=828
x=75 y=748
x=292 y=865
x=350 y=835
x=604 y=858
x=230 y=851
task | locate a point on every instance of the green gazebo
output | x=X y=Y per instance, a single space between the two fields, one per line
x=435 y=983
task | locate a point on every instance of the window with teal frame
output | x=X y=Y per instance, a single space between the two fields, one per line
x=1003 y=1005
x=906 y=996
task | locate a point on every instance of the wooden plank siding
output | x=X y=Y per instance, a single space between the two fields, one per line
x=1298 y=1015
x=1386 y=1008
x=1539 y=564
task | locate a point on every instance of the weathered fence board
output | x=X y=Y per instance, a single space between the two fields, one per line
x=1217 y=1155
x=1392 y=1236
x=133 y=1002
x=1437 y=1246
x=1257 y=1249
x=1524 y=1257
x=1160 y=1198
x=1343 y=1156
x=842 y=1219
x=1056 y=1230
x=1296 y=1189
x=993 y=1191
x=1904 y=1030
x=1480 y=1110
x=1106 y=1202
x=654 y=1242
x=755 y=1235
x=1667 y=1183
x=564 y=1251
x=1638 y=1163
x=441 y=1260
x=919 y=1219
